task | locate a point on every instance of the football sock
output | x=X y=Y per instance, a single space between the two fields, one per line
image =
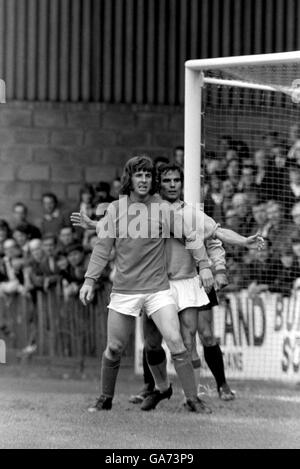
x=185 y=372
x=214 y=359
x=158 y=365
x=196 y=367
x=148 y=378
x=109 y=373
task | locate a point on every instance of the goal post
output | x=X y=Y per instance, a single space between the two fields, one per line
x=242 y=131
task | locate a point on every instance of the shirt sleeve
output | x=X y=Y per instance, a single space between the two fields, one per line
x=101 y=252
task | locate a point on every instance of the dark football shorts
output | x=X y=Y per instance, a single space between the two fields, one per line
x=213 y=300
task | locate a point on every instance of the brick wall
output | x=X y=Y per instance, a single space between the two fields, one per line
x=58 y=147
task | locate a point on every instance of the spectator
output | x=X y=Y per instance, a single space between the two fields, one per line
x=277 y=229
x=296 y=216
x=240 y=204
x=102 y=193
x=160 y=160
x=265 y=178
x=5 y=233
x=294 y=134
x=291 y=193
x=287 y=273
x=22 y=237
x=49 y=265
x=115 y=188
x=270 y=140
x=259 y=212
x=234 y=172
x=227 y=192
x=178 y=155
x=77 y=268
x=11 y=269
x=262 y=271
x=66 y=237
x=247 y=184
x=86 y=200
x=242 y=149
x=53 y=217
x=296 y=251
x=20 y=214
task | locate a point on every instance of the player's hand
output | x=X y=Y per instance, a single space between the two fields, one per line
x=86 y=294
x=221 y=281
x=207 y=279
x=256 y=241
x=81 y=219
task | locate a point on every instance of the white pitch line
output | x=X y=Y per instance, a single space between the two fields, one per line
x=295 y=399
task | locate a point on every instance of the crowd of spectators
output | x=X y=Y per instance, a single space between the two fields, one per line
x=258 y=191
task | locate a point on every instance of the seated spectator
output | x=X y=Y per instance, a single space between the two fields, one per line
x=20 y=214
x=288 y=271
x=296 y=251
x=5 y=233
x=53 y=217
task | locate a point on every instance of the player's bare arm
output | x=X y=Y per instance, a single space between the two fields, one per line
x=231 y=237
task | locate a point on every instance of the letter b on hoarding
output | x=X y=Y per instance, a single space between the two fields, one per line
x=2 y=352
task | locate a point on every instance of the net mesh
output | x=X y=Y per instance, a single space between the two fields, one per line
x=251 y=172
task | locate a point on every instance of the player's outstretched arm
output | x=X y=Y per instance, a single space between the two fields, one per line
x=82 y=220
x=232 y=237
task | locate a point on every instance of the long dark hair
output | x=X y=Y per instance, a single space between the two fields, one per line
x=165 y=168
x=135 y=164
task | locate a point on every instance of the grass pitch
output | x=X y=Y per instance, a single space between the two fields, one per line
x=42 y=407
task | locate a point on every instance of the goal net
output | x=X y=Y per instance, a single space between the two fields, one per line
x=242 y=135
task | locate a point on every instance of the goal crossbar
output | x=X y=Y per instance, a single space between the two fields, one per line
x=244 y=60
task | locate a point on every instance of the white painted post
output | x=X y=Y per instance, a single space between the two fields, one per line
x=192 y=135
x=2 y=92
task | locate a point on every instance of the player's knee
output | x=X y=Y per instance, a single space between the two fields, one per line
x=208 y=340
x=153 y=342
x=175 y=344
x=115 y=349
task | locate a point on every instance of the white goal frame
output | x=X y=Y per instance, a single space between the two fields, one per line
x=194 y=81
